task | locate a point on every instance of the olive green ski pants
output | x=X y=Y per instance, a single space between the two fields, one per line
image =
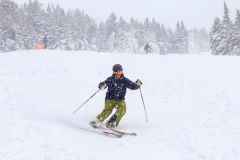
x=109 y=106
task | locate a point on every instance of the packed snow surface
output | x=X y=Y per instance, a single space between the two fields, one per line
x=192 y=101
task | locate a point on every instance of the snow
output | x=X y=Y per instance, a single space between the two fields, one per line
x=192 y=103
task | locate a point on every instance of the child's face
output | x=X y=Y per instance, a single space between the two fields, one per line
x=118 y=74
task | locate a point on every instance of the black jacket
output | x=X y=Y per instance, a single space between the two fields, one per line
x=147 y=48
x=117 y=87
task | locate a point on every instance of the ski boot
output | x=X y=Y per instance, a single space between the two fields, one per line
x=111 y=123
x=96 y=123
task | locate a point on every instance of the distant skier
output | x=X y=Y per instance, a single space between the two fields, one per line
x=147 y=48
x=115 y=97
x=45 y=42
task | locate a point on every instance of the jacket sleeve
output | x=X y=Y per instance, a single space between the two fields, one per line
x=131 y=85
x=107 y=82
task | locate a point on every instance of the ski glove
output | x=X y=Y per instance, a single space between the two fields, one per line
x=138 y=83
x=102 y=86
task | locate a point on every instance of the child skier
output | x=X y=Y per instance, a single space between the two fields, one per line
x=115 y=97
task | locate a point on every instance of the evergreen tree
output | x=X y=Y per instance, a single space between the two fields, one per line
x=25 y=27
x=149 y=35
x=227 y=32
x=8 y=26
x=179 y=39
x=200 y=40
x=236 y=35
x=163 y=39
x=125 y=40
x=101 y=38
x=109 y=32
x=139 y=30
x=120 y=38
x=33 y=23
x=224 y=36
x=184 y=37
x=172 y=41
x=216 y=37
x=237 y=20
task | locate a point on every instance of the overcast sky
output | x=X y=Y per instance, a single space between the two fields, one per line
x=195 y=13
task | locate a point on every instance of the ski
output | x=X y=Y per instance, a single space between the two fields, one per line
x=114 y=135
x=123 y=133
x=113 y=132
x=107 y=133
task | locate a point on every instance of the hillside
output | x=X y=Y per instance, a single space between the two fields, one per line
x=192 y=103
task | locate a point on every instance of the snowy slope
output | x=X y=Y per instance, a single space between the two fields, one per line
x=192 y=103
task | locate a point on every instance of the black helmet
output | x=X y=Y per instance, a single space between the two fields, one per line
x=117 y=67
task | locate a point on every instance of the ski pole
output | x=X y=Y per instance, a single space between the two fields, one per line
x=144 y=105
x=86 y=101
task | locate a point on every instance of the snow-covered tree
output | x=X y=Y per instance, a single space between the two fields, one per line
x=138 y=28
x=179 y=39
x=216 y=37
x=224 y=36
x=125 y=40
x=236 y=35
x=32 y=23
x=25 y=27
x=227 y=32
x=9 y=13
x=105 y=38
x=101 y=38
x=162 y=39
x=200 y=41
x=149 y=35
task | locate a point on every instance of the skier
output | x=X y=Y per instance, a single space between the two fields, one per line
x=115 y=97
x=45 y=42
x=147 y=48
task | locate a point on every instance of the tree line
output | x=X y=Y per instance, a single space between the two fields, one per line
x=225 y=34
x=23 y=27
